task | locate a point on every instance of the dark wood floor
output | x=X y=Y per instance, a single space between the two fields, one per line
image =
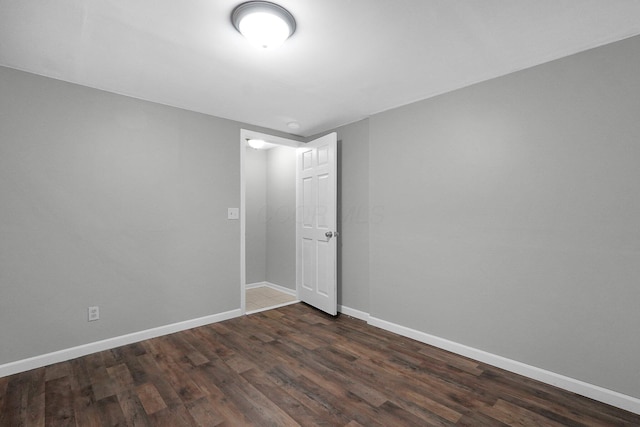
x=286 y=367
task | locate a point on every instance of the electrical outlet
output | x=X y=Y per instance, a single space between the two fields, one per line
x=94 y=313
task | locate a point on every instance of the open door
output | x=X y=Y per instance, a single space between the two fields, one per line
x=316 y=222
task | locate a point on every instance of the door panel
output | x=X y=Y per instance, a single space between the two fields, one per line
x=316 y=219
x=308 y=256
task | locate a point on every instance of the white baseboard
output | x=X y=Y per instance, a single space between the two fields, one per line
x=591 y=391
x=280 y=288
x=94 y=347
x=353 y=313
x=255 y=285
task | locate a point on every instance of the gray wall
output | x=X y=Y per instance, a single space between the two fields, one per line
x=256 y=215
x=270 y=177
x=354 y=212
x=281 y=217
x=512 y=216
x=110 y=201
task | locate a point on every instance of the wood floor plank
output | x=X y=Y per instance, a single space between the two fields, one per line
x=251 y=402
x=132 y=409
x=175 y=417
x=111 y=411
x=301 y=413
x=328 y=376
x=331 y=383
x=514 y=415
x=121 y=377
x=286 y=367
x=84 y=404
x=218 y=402
x=36 y=398
x=378 y=375
x=4 y=384
x=450 y=359
x=57 y=370
x=157 y=378
x=313 y=396
x=204 y=413
x=478 y=419
x=15 y=401
x=179 y=379
x=101 y=382
x=549 y=407
x=59 y=408
x=550 y=397
x=150 y=398
x=129 y=357
x=209 y=343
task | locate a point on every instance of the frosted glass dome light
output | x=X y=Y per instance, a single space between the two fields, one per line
x=264 y=24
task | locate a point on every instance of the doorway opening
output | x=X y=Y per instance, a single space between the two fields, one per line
x=288 y=232
x=268 y=222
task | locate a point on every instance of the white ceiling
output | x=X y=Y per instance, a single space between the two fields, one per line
x=347 y=60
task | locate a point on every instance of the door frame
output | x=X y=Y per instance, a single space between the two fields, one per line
x=246 y=134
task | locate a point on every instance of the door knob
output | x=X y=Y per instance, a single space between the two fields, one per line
x=328 y=234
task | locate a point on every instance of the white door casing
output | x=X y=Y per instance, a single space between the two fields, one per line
x=316 y=223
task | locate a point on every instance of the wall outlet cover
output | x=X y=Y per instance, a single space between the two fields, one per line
x=93 y=313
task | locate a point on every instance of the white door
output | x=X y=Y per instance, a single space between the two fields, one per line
x=316 y=222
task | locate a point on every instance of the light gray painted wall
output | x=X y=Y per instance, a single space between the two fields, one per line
x=256 y=212
x=353 y=215
x=512 y=216
x=110 y=201
x=281 y=217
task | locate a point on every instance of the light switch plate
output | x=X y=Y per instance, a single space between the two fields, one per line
x=233 y=213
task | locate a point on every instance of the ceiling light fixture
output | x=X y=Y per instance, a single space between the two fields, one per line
x=263 y=23
x=256 y=143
